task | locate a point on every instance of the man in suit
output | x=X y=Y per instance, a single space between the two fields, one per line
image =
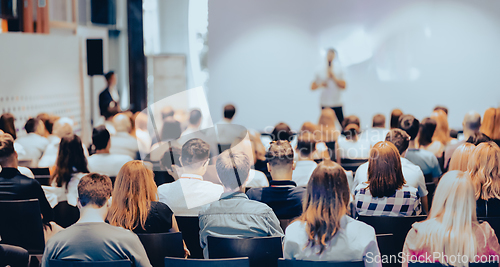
x=109 y=98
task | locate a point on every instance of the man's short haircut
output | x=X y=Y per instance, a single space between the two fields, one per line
x=395 y=117
x=378 y=121
x=352 y=119
x=306 y=144
x=108 y=75
x=233 y=168
x=194 y=116
x=280 y=153
x=399 y=138
x=6 y=145
x=410 y=125
x=31 y=125
x=282 y=132
x=229 y=111
x=194 y=151
x=100 y=137
x=94 y=189
x=478 y=138
x=443 y=108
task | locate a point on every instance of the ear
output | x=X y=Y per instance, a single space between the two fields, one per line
x=108 y=203
x=79 y=204
x=269 y=167
x=180 y=160
x=293 y=165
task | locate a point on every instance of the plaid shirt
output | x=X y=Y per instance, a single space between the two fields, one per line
x=405 y=202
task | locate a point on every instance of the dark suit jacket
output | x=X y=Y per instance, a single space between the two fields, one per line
x=15 y=186
x=104 y=100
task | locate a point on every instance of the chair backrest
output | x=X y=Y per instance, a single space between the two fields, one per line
x=40 y=171
x=305 y=263
x=160 y=245
x=261 y=251
x=21 y=224
x=179 y=262
x=386 y=244
x=352 y=164
x=63 y=263
x=163 y=177
x=66 y=215
x=25 y=162
x=113 y=179
x=43 y=179
x=190 y=229
x=431 y=188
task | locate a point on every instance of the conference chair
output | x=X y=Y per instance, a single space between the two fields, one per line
x=437 y=264
x=160 y=245
x=21 y=225
x=352 y=164
x=261 y=251
x=190 y=229
x=24 y=163
x=67 y=263
x=431 y=188
x=494 y=223
x=65 y=215
x=113 y=179
x=306 y=263
x=42 y=175
x=163 y=177
x=387 y=246
x=234 y=262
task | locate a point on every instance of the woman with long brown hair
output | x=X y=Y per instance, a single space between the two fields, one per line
x=135 y=203
x=442 y=132
x=491 y=124
x=425 y=137
x=386 y=192
x=324 y=231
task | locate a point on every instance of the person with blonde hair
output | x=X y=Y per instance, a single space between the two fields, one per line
x=451 y=231
x=442 y=132
x=484 y=170
x=386 y=192
x=324 y=231
x=461 y=157
x=491 y=124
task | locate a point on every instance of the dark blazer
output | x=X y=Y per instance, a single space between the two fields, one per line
x=104 y=100
x=15 y=186
x=159 y=219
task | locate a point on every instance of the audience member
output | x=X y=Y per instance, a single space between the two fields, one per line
x=123 y=142
x=34 y=143
x=109 y=98
x=461 y=156
x=282 y=195
x=234 y=215
x=14 y=185
x=144 y=140
x=350 y=146
x=190 y=192
x=226 y=134
x=425 y=137
x=442 y=132
x=305 y=164
x=7 y=126
x=256 y=178
x=48 y=122
x=386 y=192
x=102 y=161
x=62 y=127
x=478 y=138
x=71 y=166
x=91 y=239
x=395 y=117
x=491 y=124
x=320 y=150
x=426 y=160
x=441 y=108
x=484 y=169
x=377 y=132
x=260 y=163
x=282 y=132
x=471 y=125
x=451 y=231
x=328 y=132
x=324 y=231
x=135 y=203
x=194 y=122
x=412 y=173
x=13 y=256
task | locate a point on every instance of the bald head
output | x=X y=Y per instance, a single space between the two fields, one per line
x=122 y=123
x=63 y=127
x=472 y=121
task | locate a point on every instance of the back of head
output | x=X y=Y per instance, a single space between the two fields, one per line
x=378 y=121
x=441 y=108
x=94 y=189
x=166 y=112
x=6 y=147
x=472 y=121
x=282 y=132
x=484 y=169
x=100 y=137
x=133 y=193
x=233 y=169
x=194 y=152
x=351 y=131
x=280 y=155
x=426 y=131
x=448 y=228
x=306 y=144
x=34 y=125
x=491 y=123
x=327 y=118
x=63 y=127
x=70 y=159
x=229 y=111
x=7 y=124
x=385 y=175
x=396 y=115
x=442 y=132
x=325 y=203
x=410 y=125
x=352 y=119
x=461 y=156
x=108 y=76
x=48 y=121
x=399 y=138
x=308 y=127
x=122 y=123
x=141 y=120
x=195 y=117
x=171 y=129
x=478 y=138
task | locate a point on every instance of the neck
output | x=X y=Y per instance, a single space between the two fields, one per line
x=412 y=144
x=102 y=151
x=9 y=163
x=197 y=172
x=227 y=120
x=93 y=214
x=468 y=133
x=282 y=175
x=229 y=191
